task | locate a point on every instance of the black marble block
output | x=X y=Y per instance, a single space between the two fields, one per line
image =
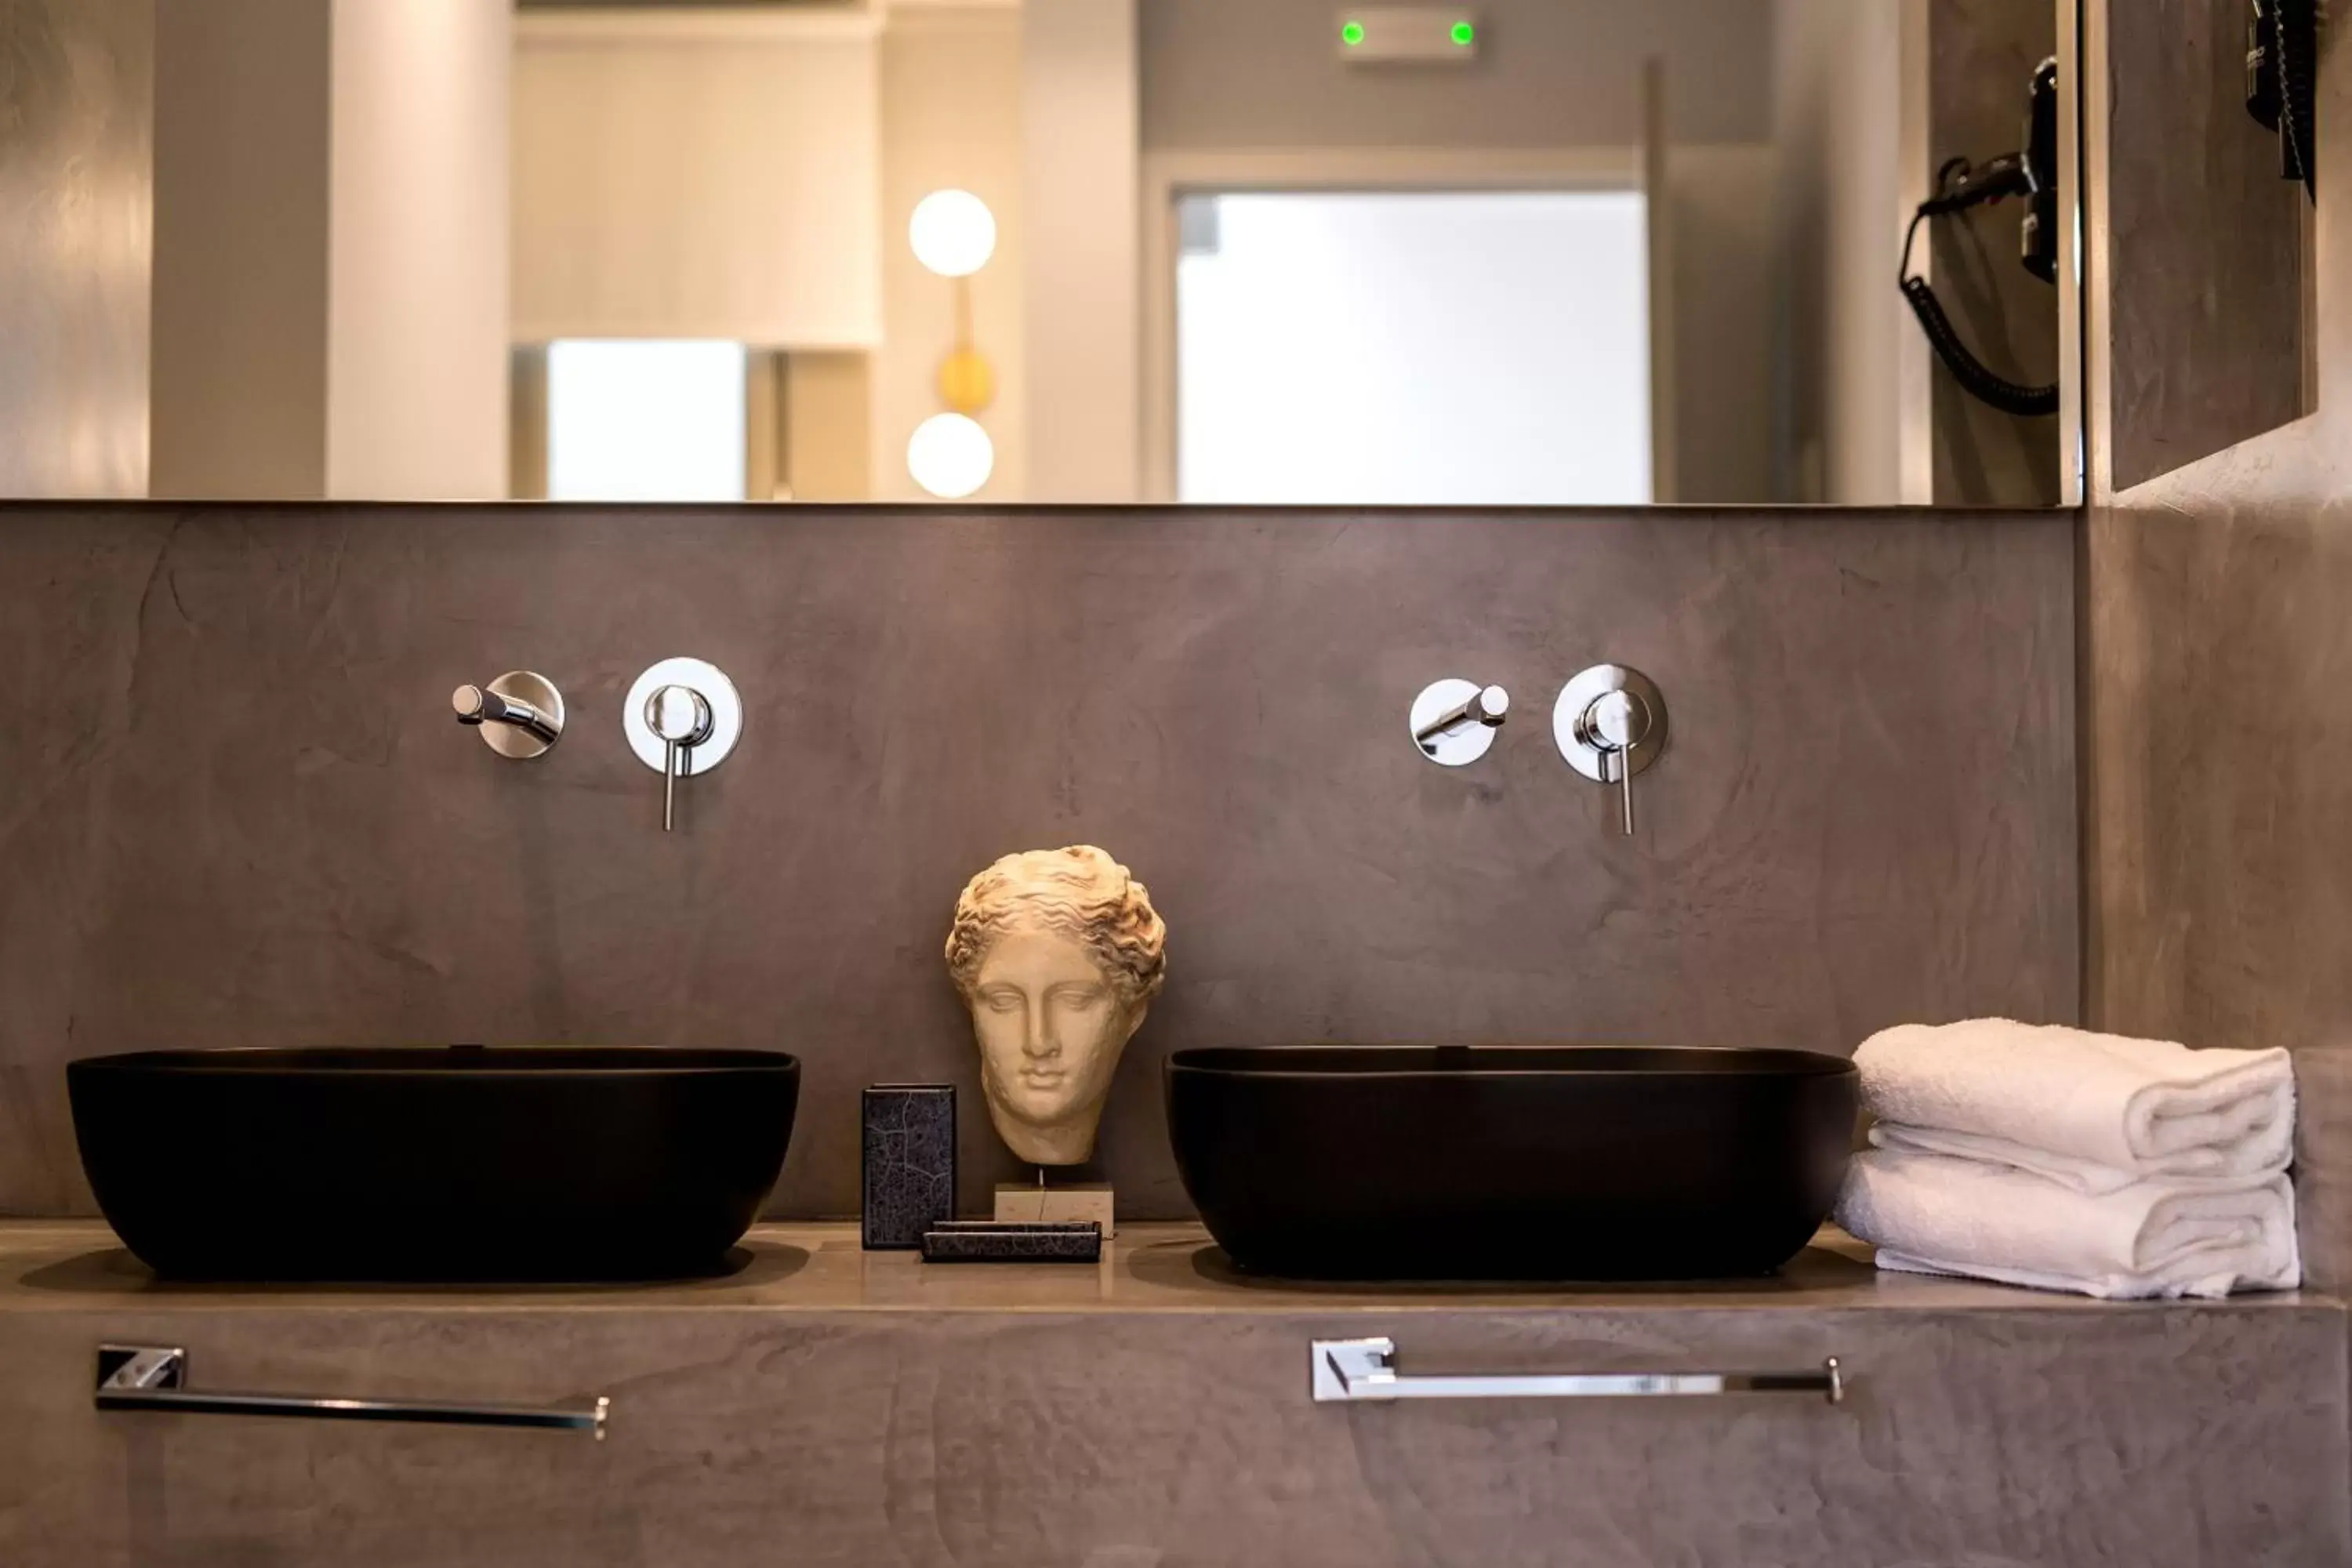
x=1013 y=1241
x=909 y=1163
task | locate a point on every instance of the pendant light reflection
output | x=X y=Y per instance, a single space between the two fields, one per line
x=950 y=456
x=953 y=233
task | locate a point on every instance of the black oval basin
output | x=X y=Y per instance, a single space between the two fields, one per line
x=465 y=1164
x=1580 y=1163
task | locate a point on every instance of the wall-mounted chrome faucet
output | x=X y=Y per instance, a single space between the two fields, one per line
x=519 y=714
x=1453 y=722
x=1611 y=724
x=682 y=717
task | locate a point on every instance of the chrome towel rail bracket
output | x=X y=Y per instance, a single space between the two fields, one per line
x=1359 y=1370
x=154 y=1378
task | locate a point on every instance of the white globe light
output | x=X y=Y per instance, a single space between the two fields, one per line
x=950 y=456
x=953 y=233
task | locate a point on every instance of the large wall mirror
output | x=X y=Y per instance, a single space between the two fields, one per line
x=1519 y=252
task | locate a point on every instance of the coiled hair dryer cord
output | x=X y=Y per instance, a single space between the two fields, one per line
x=2000 y=178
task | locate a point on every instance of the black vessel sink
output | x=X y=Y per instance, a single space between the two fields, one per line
x=1598 y=1163
x=468 y=1164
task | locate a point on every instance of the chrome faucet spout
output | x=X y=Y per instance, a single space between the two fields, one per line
x=517 y=715
x=1453 y=722
x=1489 y=705
x=476 y=705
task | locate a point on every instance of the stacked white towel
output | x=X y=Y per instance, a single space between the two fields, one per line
x=2071 y=1161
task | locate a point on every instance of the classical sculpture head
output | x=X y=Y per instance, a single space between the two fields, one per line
x=1058 y=955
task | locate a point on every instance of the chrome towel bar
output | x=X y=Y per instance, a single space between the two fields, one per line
x=1350 y=1371
x=151 y=1377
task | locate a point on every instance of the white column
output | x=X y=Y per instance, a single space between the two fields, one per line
x=1079 y=201
x=416 y=321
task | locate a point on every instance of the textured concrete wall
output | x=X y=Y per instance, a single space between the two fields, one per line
x=235 y=809
x=2218 y=622
x=2201 y=265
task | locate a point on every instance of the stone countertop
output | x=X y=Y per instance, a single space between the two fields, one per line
x=80 y=1266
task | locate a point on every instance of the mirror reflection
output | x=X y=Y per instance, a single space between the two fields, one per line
x=1512 y=252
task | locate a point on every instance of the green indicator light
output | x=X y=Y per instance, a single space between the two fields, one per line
x=1351 y=33
x=1465 y=34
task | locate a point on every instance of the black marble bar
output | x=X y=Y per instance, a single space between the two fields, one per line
x=909 y=1163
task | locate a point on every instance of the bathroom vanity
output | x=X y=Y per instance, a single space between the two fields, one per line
x=823 y=1404
x=1812 y=856
x=1485 y=688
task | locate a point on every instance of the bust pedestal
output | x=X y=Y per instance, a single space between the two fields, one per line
x=1059 y=1206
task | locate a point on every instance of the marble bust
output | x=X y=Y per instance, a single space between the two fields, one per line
x=1058 y=953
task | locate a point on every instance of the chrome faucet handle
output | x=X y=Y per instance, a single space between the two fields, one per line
x=1610 y=723
x=519 y=714
x=1453 y=722
x=682 y=717
x=1614 y=725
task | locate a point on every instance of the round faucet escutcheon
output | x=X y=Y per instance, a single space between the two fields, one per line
x=683 y=718
x=1453 y=722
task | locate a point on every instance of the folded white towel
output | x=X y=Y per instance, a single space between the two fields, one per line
x=2066 y=1102
x=1929 y=1214
x=2079 y=1176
